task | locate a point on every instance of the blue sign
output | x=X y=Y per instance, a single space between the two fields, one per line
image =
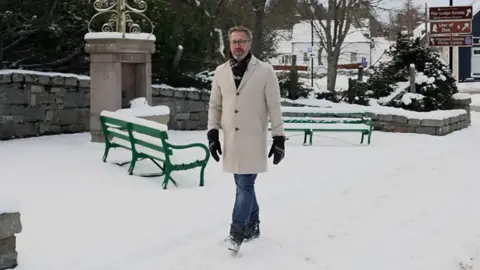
x=309 y=49
x=364 y=62
x=468 y=41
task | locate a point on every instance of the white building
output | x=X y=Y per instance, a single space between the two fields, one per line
x=357 y=45
x=283 y=48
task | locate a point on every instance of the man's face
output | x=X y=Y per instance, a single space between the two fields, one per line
x=239 y=45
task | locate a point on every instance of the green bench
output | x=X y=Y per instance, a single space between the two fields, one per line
x=147 y=140
x=328 y=121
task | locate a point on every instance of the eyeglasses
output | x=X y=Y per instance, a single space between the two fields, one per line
x=239 y=42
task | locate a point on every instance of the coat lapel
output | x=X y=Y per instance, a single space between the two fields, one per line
x=230 y=79
x=250 y=69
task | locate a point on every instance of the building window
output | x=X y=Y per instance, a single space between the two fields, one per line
x=353 y=57
x=286 y=59
x=305 y=56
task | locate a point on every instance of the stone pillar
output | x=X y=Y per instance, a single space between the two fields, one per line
x=10 y=225
x=464 y=103
x=120 y=70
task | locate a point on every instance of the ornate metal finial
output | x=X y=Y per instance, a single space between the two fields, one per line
x=120 y=16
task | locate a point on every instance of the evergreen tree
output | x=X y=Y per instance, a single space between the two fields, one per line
x=434 y=82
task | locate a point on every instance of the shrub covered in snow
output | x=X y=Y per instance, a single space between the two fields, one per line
x=291 y=87
x=357 y=93
x=434 y=82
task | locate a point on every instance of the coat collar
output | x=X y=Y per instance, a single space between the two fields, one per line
x=250 y=69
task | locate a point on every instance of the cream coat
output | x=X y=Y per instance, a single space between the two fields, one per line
x=243 y=115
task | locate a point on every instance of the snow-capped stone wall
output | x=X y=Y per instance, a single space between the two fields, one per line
x=390 y=119
x=38 y=103
x=10 y=225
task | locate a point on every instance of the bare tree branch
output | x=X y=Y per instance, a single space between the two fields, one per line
x=60 y=61
x=332 y=28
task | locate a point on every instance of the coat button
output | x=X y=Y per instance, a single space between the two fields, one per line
x=236 y=111
x=236 y=129
x=238 y=93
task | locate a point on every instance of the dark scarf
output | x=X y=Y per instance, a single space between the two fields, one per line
x=239 y=67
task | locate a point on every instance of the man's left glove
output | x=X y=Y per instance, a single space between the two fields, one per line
x=277 y=149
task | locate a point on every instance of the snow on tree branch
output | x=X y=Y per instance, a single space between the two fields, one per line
x=221 y=46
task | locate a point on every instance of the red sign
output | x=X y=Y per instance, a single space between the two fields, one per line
x=451 y=13
x=450 y=41
x=451 y=27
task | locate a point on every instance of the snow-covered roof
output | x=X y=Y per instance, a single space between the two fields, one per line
x=302 y=33
x=476 y=7
x=283 y=42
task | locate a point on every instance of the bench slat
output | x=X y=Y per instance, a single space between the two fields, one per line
x=150 y=138
x=115 y=132
x=326 y=127
x=109 y=121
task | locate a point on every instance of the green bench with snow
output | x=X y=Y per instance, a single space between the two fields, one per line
x=147 y=140
x=326 y=120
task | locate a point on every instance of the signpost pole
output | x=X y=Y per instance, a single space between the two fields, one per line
x=426 y=25
x=311 y=53
x=450 y=51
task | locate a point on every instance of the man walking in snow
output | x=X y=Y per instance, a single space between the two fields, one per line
x=244 y=95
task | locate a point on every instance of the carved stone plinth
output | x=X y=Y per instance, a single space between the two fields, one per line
x=120 y=70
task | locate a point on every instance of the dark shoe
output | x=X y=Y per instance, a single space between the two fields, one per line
x=235 y=239
x=252 y=231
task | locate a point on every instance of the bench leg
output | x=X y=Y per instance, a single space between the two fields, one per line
x=168 y=178
x=369 y=137
x=361 y=140
x=132 y=165
x=202 y=174
x=105 y=153
x=135 y=158
x=311 y=138
x=305 y=133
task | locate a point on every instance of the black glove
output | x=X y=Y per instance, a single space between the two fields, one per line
x=214 y=144
x=277 y=149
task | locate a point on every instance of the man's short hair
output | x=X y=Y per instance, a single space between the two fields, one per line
x=241 y=29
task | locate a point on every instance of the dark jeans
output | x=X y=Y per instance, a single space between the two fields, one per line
x=246 y=206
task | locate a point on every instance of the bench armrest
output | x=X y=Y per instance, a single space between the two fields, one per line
x=191 y=145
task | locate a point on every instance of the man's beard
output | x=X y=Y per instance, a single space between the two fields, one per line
x=239 y=56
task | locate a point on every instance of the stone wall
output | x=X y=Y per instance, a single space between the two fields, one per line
x=35 y=103
x=10 y=225
x=188 y=108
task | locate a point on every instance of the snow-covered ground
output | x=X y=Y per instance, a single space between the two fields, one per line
x=472 y=88
x=320 y=85
x=404 y=202
x=469 y=87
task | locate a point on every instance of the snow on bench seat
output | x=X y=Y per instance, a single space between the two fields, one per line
x=323 y=119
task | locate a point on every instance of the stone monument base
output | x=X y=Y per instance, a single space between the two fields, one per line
x=10 y=225
x=120 y=69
